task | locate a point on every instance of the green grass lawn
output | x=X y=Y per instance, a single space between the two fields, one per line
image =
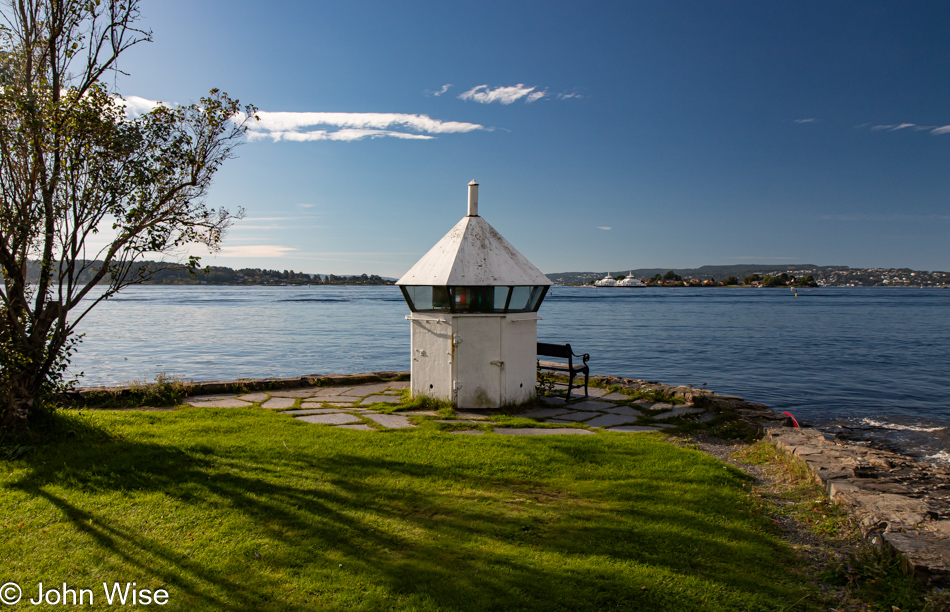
x=244 y=509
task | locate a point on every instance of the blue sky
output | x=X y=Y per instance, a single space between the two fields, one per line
x=605 y=136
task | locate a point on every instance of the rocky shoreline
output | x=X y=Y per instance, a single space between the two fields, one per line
x=892 y=496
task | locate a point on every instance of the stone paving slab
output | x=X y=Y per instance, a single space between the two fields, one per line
x=221 y=403
x=253 y=397
x=327 y=391
x=385 y=399
x=589 y=405
x=419 y=413
x=624 y=410
x=596 y=392
x=358 y=426
x=312 y=411
x=577 y=416
x=543 y=413
x=552 y=400
x=471 y=415
x=468 y=432
x=308 y=392
x=615 y=397
x=610 y=420
x=637 y=428
x=352 y=399
x=369 y=389
x=538 y=431
x=390 y=421
x=557 y=422
x=660 y=406
x=337 y=418
x=467 y=422
x=677 y=412
x=279 y=403
x=321 y=404
x=215 y=397
x=399 y=384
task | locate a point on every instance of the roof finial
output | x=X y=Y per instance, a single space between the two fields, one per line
x=473 y=199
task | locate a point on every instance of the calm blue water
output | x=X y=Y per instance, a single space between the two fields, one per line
x=859 y=357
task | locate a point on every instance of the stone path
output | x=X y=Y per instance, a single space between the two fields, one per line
x=351 y=407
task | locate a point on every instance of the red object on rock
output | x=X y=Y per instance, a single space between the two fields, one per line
x=794 y=422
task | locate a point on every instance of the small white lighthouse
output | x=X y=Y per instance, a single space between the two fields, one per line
x=474 y=300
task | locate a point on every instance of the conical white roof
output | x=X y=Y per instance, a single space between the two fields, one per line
x=473 y=253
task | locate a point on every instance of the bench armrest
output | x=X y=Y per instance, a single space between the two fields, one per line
x=584 y=356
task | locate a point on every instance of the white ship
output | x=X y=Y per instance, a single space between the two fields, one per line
x=606 y=281
x=630 y=281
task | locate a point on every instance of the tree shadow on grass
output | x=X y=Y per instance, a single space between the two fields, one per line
x=420 y=522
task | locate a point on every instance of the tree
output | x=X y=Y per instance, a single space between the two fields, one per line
x=74 y=166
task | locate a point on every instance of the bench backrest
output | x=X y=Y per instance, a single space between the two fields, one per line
x=555 y=350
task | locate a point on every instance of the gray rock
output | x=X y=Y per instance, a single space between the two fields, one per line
x=253 y=397
x=384 y=399
x=589 y=405
x=577 y=416
x=221 y=403
x=369 y=389
x=312 y=411
x=331 y=391
x=358 y=426
x=337 y=418
x=611 y=420
x=623 y=410
x=279 y=402
x=676 y=412
x=661 y=406
x=615 y=397
x=390 y=421
x=308 y=392
x=543 y=413
x=537 y=431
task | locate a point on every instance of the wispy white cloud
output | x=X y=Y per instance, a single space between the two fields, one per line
x=505 y=95
x=304 y=205
x=568 y=96
x=347 y=127
x=136 y=106
x=806 y=120
x=893 y=127
x=444 y=89
x=604 y=227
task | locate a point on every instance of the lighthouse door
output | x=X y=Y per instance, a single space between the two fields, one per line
x=479 y=369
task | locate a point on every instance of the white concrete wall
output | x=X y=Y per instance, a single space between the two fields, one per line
x=478 y=360
x=431 y=368
x=521 y=360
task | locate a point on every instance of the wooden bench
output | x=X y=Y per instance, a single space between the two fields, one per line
x=564 y=351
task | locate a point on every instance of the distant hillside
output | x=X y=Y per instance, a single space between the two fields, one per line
x=173 y=274
x=823 y=275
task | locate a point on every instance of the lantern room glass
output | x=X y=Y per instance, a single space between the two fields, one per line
x=474 y=299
